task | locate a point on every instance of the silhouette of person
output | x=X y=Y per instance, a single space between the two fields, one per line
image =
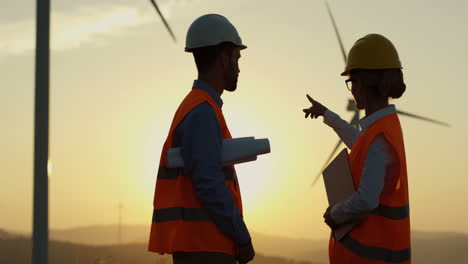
x=198 y=209
x=377 y=159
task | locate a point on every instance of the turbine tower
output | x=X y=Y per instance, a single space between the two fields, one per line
x=40 y=236
x=119 y=228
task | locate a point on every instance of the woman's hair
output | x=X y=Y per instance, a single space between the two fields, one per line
x=387 y=83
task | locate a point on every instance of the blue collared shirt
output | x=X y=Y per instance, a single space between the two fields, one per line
x=200 y=138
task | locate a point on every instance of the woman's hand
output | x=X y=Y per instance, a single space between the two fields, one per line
x=316 y=110
x=328 y=219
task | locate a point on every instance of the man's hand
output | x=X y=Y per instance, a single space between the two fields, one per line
x=246 y=253
x=316 y=110
x=328 y=219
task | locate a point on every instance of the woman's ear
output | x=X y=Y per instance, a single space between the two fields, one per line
x=384 y=88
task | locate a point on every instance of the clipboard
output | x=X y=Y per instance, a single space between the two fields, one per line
x=339 y=186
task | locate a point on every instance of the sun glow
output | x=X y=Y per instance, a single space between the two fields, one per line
x=49 y=168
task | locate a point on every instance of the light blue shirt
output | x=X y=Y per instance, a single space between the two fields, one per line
x=380 y=158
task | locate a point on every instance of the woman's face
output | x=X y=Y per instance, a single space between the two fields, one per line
x=359 y=93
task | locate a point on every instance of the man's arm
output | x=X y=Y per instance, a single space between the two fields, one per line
x=201 y=141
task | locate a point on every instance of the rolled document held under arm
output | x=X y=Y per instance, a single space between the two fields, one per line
x=234 y=151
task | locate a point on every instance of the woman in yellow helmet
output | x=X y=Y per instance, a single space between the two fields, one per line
x=380 y=204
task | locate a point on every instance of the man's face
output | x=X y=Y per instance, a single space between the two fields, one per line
x=231 y=69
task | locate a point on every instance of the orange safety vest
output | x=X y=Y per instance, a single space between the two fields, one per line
x=180 y=222
x=383 y=236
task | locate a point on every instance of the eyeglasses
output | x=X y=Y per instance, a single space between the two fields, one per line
x=349 y=84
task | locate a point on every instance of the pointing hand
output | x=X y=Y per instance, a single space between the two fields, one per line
x=316 y=110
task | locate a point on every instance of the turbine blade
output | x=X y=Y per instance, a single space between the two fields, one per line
x=423 y=118
x=163 y=19
x=326 y=163
x=343 y=52
x=355 y=120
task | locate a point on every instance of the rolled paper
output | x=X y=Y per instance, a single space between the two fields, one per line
x=234 y=151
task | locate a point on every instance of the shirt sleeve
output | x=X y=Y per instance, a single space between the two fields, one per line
x=380 y=158
x=347 y=133
x=201 y=143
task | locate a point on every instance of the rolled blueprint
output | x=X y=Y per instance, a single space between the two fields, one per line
x=234 y=151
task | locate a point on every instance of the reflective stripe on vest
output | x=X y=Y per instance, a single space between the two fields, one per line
x=180 y=213
x=165 y=173
x=394 y=213
x=376 y=253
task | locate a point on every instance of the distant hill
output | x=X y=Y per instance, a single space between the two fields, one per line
x=102 y=235
x=432 y=248
x=298 y=249
x=427 y=248
x=18 y=251
x=7 y=235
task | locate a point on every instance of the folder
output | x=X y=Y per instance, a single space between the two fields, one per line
x=339 y=186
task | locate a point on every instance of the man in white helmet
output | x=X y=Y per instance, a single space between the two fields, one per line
x=197 y=214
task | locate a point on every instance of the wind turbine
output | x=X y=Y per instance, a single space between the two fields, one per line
x=40 y=236
x=120 y=207
x=41 y=136
x=352 y=106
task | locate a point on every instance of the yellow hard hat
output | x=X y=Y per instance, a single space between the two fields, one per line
x=372 y=52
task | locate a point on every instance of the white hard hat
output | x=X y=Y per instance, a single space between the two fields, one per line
x=211 y=30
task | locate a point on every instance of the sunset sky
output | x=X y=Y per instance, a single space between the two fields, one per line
x=117 y=78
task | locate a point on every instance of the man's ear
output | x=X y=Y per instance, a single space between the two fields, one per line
x=224 y=59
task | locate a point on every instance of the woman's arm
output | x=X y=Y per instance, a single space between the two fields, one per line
x=347 y=133
x=380 y=160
